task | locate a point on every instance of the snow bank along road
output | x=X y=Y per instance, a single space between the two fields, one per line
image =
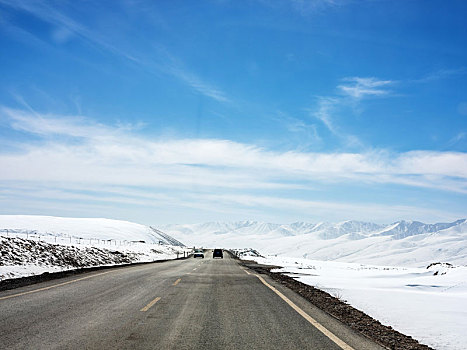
x=188 y=304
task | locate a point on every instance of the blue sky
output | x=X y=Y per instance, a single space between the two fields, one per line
x=184 y=111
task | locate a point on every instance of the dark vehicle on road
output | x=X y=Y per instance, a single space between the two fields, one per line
x=218 y=253
x=199 y=253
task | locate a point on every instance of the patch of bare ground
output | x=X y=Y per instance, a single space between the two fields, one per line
x=386 y=336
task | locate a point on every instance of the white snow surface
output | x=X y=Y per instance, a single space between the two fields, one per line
x=404 y=243
x=431 y=308
x=30 y=245
x=86 y=228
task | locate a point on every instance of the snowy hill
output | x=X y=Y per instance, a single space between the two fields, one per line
x=404 y=243
x=323 y=229
x=85 y=228
x=403 y=229
x=31 y=245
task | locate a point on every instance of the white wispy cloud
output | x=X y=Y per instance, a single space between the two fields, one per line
x=173 y=66
x=304 y=133
x=110 y=202
x=358 y=88
x=461 y=136
x=47 y=13
x=322 y=209
x=102 y=153
x=48 y=124
x=325 y=111
x=351 y=93
x=66 y=27
x=441 y=74
x=78 y=159
x=326 y=107
x=199 y=85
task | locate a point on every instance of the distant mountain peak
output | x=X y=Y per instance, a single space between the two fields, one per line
x=322 y=230
x=405 y=242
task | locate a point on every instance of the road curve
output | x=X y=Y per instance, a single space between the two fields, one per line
x=184 y=304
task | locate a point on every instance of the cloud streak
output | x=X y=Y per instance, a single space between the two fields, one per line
x=358 y=88
x=351 y=92
x=124 y=157
x=441 y=74
x=67 y=27
x=78 y=159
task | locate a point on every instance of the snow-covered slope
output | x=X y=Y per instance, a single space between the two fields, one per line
x=402 y=243
x=322 y=230
x=425 y=303
x=85 y=228
x=404 y=229
x=31 y=245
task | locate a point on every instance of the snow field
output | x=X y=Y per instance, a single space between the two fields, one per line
x=84 y=228
x=400 y=244
x=31 y=245
x=427 y=304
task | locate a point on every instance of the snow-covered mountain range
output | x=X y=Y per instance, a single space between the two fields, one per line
x=324 y=230
x=403 y=243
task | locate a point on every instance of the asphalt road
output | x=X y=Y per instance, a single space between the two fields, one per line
x=184 y=304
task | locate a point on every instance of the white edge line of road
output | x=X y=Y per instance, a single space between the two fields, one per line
x=343 y=345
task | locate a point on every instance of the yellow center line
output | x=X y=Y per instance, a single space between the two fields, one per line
x=176 y=282
x=54 y=286
x=343 y=345
x=147 y=307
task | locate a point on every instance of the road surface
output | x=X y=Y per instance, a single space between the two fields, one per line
x=184 y=304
